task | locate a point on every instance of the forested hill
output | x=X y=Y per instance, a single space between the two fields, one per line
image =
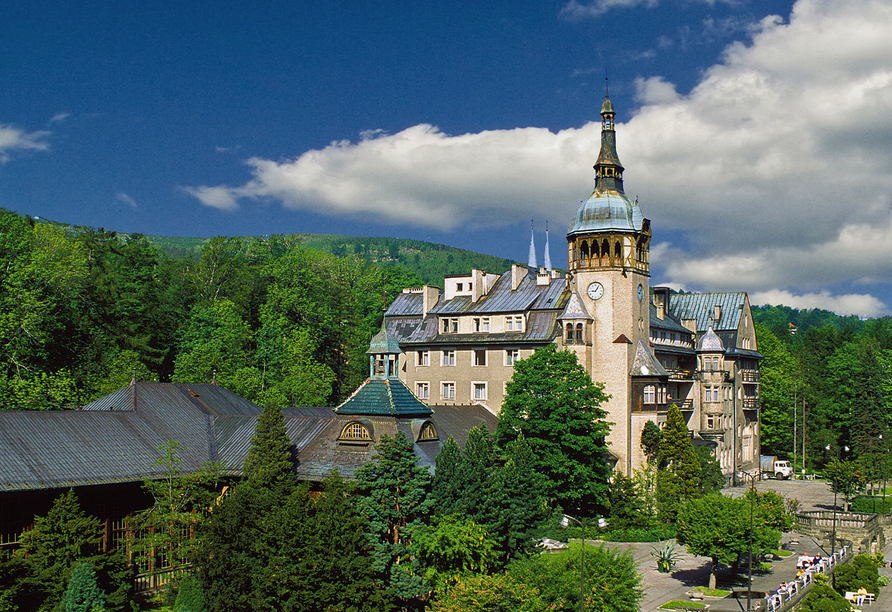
x=430 y=262
x=785 y=322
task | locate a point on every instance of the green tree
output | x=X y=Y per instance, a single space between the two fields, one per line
x=711 y=477
x=861 y=572
x=485 y=593
x=446 y=489
x=179 y=501
x=452 y=546
x=822 y=598
x=846 y=477
x=552 y=402
x=650 y=440
x=394 y=497
x=612 y=580
x=626 y=503
x=679 y=475
x=718 y=527
x=83 y=593
x=270 y=460
x=190 y=597
x=776 y=374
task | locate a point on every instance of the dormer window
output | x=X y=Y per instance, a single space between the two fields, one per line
x=355 y=432
x=428 y=433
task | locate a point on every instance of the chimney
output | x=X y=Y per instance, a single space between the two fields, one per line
x=518 y=273
x=430 y=297
x=543 y=277
x=477 y=280
x=718 y=313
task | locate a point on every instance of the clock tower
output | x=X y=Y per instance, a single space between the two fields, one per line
x=608 y=248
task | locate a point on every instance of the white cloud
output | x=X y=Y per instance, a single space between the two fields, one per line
x=777 y=166
x=126 y=199
x=851 y=304
x=58 y=117
x=576 y=10
x=15 y=139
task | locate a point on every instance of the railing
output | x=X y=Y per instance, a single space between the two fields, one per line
x=677 y=374
x=749 y=376
x=844 y=520
x=751 y=403
x=784 y=598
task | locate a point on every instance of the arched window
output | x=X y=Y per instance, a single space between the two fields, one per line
x=579 y=332
x=356 y=432
x=428 y=432
x=569 y=332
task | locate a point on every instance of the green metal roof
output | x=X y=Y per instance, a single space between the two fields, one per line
x=383 y=397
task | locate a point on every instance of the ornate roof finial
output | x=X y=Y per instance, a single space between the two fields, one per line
x=547 y=254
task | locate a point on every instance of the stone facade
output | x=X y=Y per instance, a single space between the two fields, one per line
x=649 y=346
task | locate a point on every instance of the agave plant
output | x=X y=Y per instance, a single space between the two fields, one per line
x=666 y=557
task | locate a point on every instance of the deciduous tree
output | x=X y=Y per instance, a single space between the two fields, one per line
x=552 y=402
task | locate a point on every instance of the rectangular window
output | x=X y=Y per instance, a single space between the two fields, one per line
x=514 y=323
x=422 y=390
x=650 y=396
x=479 y=391
x=458 y=286
x=450 y=326
x=481 y=324
x=448 y=390
x=480 y=358
x=423 y=358
x=511 y=356
x=448 y=358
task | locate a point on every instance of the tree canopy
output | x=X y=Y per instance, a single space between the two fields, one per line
x=553 y=404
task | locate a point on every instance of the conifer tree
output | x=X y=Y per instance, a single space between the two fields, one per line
x=446 y=492
x=270 y=462
x=394 y=497
x=679 y=477
x=83 y=593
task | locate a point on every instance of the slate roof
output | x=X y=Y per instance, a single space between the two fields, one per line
x=645 y=363
x=701 y=308
x=116 y=439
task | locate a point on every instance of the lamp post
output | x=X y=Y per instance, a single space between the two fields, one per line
x=602 y=524
x=749 y=588
x=885 y=469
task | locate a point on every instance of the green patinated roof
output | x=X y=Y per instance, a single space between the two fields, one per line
x=383 y=397
x=384 y=344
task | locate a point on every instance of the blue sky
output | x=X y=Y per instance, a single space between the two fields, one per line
x=757 y=134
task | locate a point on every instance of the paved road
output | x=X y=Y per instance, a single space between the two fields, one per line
x=693 y=571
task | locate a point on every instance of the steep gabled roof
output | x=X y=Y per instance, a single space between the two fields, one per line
x=701 y=308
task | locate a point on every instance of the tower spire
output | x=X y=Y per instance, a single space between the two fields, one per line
x=547 y=253
x=608 y=169
x=532 y=259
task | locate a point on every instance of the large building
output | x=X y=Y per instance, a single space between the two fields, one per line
x=649 y=346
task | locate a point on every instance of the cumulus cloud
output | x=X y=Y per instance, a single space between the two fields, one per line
x=15 y=139
x=862 y=305
x=776 y=166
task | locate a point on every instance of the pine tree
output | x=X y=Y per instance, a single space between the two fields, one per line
x=83 y=593
x=679 y=477
x=270 y=461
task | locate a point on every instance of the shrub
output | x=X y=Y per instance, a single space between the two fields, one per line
x=861 y=572
x=190 y=597
x=822 y=598
x=83 y=593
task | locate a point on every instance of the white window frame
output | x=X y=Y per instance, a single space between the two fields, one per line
x=478 y=362
x=422 y=358
x=423 y=389
x=650 y=394
x=448 y=357
x=447 y=390
x=512 y=356
x=514 y=323
x=476 y=387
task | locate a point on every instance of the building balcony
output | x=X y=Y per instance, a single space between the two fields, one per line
x=750 y=403
x=749 y=376
x=679 y=375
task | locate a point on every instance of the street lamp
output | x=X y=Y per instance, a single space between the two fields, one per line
x=602 y=525
x=835 y=508
x=885 y=469
x=749 y=588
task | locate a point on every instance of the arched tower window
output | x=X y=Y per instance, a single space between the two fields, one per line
x=569 y=332
x=356 y=432
x=428 y=432
x=579 y=332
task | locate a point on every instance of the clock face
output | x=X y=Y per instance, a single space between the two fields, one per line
x=595 y=290
x=640 y=293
